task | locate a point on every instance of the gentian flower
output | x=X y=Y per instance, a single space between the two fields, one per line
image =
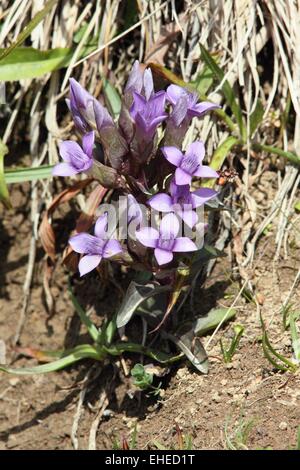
x=189 y=164
x=81 y=106
x=182 y=201
x=148 y=113
x=76 y=159
x=94 y=247
x=186 y=102
x=165 y=241
x=134 y=211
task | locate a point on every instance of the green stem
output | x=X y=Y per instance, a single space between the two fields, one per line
x=222 y=115
x=119 y=348
x=292 y=157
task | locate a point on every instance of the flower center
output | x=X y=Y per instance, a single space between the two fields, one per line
x=190 y=164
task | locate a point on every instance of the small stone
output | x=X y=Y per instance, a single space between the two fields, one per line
x=223 y=382
x=283 y=426
x=216 y=397
x=14 y=381
x=181 y=373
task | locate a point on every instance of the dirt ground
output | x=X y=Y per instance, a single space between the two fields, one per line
x=246 y=404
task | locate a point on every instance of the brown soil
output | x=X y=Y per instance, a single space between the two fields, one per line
x=37 y=412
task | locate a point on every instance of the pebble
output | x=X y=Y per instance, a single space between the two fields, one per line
x=216 y=397
x=283 y=426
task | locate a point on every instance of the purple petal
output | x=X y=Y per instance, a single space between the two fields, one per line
x=205 y=171
x=112 y=248
x=181 y=177
x=163 y=256
x=78 y=94
x=169 y=227
x=88 y=263
x=161 y=202
x=148 y=84
x=184 y=244
x=88 y=143
x=64 y=169
x=147 y=236
x=138 y=105
x=101 y=227
x=188 y=216
x=157 y=102
x=72 y=153
x=200 y=109
x=67 y=148
x=174 y=92
x=180 y=111
x=134 y=211
x=135 y=79
x=102 y=116
x=201 y=196
x=196 y=150
x=86 y=243
x=173 y=155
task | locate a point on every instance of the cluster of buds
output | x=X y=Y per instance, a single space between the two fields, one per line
x=140 y=158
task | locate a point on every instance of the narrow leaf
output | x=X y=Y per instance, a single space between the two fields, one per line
x=93 y=331
x=212 y=320
x=227 y=90
x=28 y=174
x=29 y=28
x=78 y=353
x=4 y=195
x=112 y=98
x=256 y=117
x=135 y=295
x=192 y=348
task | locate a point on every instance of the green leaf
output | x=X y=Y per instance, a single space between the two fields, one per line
x=135 y=295
x=204 y=80
x=297 y=206
x=221 y=152
x=27 y=62
x=112 y=98
x=80 y=352
x=295 y=335
x=292 y=157
x=192 y=348
x=4 y=194
x=212 y=320
x=256 y=117
x=272 y=355
x=107 y=333
x=219 y=157
x=227 y=90
x=93 y=331
x=119 y=348
x=228 y=353
x=29 y=28
x=142 y=378
x=28 y=174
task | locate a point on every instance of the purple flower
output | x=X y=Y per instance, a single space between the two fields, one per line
x=149 y=112
x=140 y=82
x=165 y=241
x=182 y=201
x=189 y=164
x=185 y=103
x=81 y=106
x=76 y=159
x=94 y=247
x=134 y=211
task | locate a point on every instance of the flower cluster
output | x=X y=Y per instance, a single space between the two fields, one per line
x=139 y=157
